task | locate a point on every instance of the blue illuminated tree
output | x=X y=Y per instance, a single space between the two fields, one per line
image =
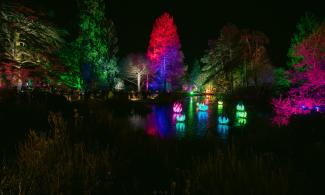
x=165 y=55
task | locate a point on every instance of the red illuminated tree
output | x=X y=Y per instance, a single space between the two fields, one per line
x=164 y=54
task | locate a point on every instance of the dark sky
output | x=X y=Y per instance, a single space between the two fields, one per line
x=197 y=21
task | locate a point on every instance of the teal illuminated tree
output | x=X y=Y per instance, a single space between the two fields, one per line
x=98 y=46
x=165 y=55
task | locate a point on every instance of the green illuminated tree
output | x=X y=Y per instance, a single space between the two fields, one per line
x=222 y=57
x=307 y=25
x=98 y=46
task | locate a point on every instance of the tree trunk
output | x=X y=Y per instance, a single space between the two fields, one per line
x=139 y=80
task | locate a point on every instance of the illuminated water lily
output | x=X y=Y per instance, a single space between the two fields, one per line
x=223 y=120
x=240 y=107
x=241 y=114
x=177 y=107
x=180 y=117
x=202 y=107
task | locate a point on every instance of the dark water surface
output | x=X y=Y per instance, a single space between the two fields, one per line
x=162 y=121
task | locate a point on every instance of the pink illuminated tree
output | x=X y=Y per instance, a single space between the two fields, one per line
x=307 y=77
x=164 y=53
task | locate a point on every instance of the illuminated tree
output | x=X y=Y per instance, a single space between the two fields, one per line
x=307 y=77
x=26 y=42
x=307 y=25
x=237 y=58
x=256 y=67
x=98 y=46
x=135 y=67
x=222 y=57
x=164 y=53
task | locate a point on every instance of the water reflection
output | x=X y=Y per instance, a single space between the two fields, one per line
x=192 y=123
x=223 y=131
x=157 y=122
x=180 y=130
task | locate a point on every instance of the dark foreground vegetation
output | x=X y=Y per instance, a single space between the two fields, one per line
x=52 y=146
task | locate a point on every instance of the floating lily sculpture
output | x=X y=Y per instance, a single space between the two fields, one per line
x=177 y=107
x=240 y=107
x=223 y=120
x=202 y=107
x=180 y=118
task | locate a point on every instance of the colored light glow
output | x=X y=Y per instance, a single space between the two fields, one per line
x=180 y=118
x=223 y=120
x=202 y=107
x=202 y=115
x=241 y=114
x=191 y=93
x=223 y=131
x=240 y=107
x=241 y=122
x=317 y=108
x=180 y=127
x=220 y=102
x=177 y=107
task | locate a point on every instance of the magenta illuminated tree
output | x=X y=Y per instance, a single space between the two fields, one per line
x=165 y=55
x=307 y=77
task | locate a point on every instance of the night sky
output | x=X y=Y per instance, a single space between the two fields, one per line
x=197 y=21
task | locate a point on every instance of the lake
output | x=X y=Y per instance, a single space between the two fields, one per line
x=217 y=120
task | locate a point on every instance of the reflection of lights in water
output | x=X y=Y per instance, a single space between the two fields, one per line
x=202 y=123
x=157 y=122
x=223 y=120
x=180 y=117
x=177 y=107
x=207 y=99
x=137 y=121
x=202 y=116
x=223 y=131
x=180 y=127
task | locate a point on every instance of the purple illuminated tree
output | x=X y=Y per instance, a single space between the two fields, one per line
x=165 y=55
